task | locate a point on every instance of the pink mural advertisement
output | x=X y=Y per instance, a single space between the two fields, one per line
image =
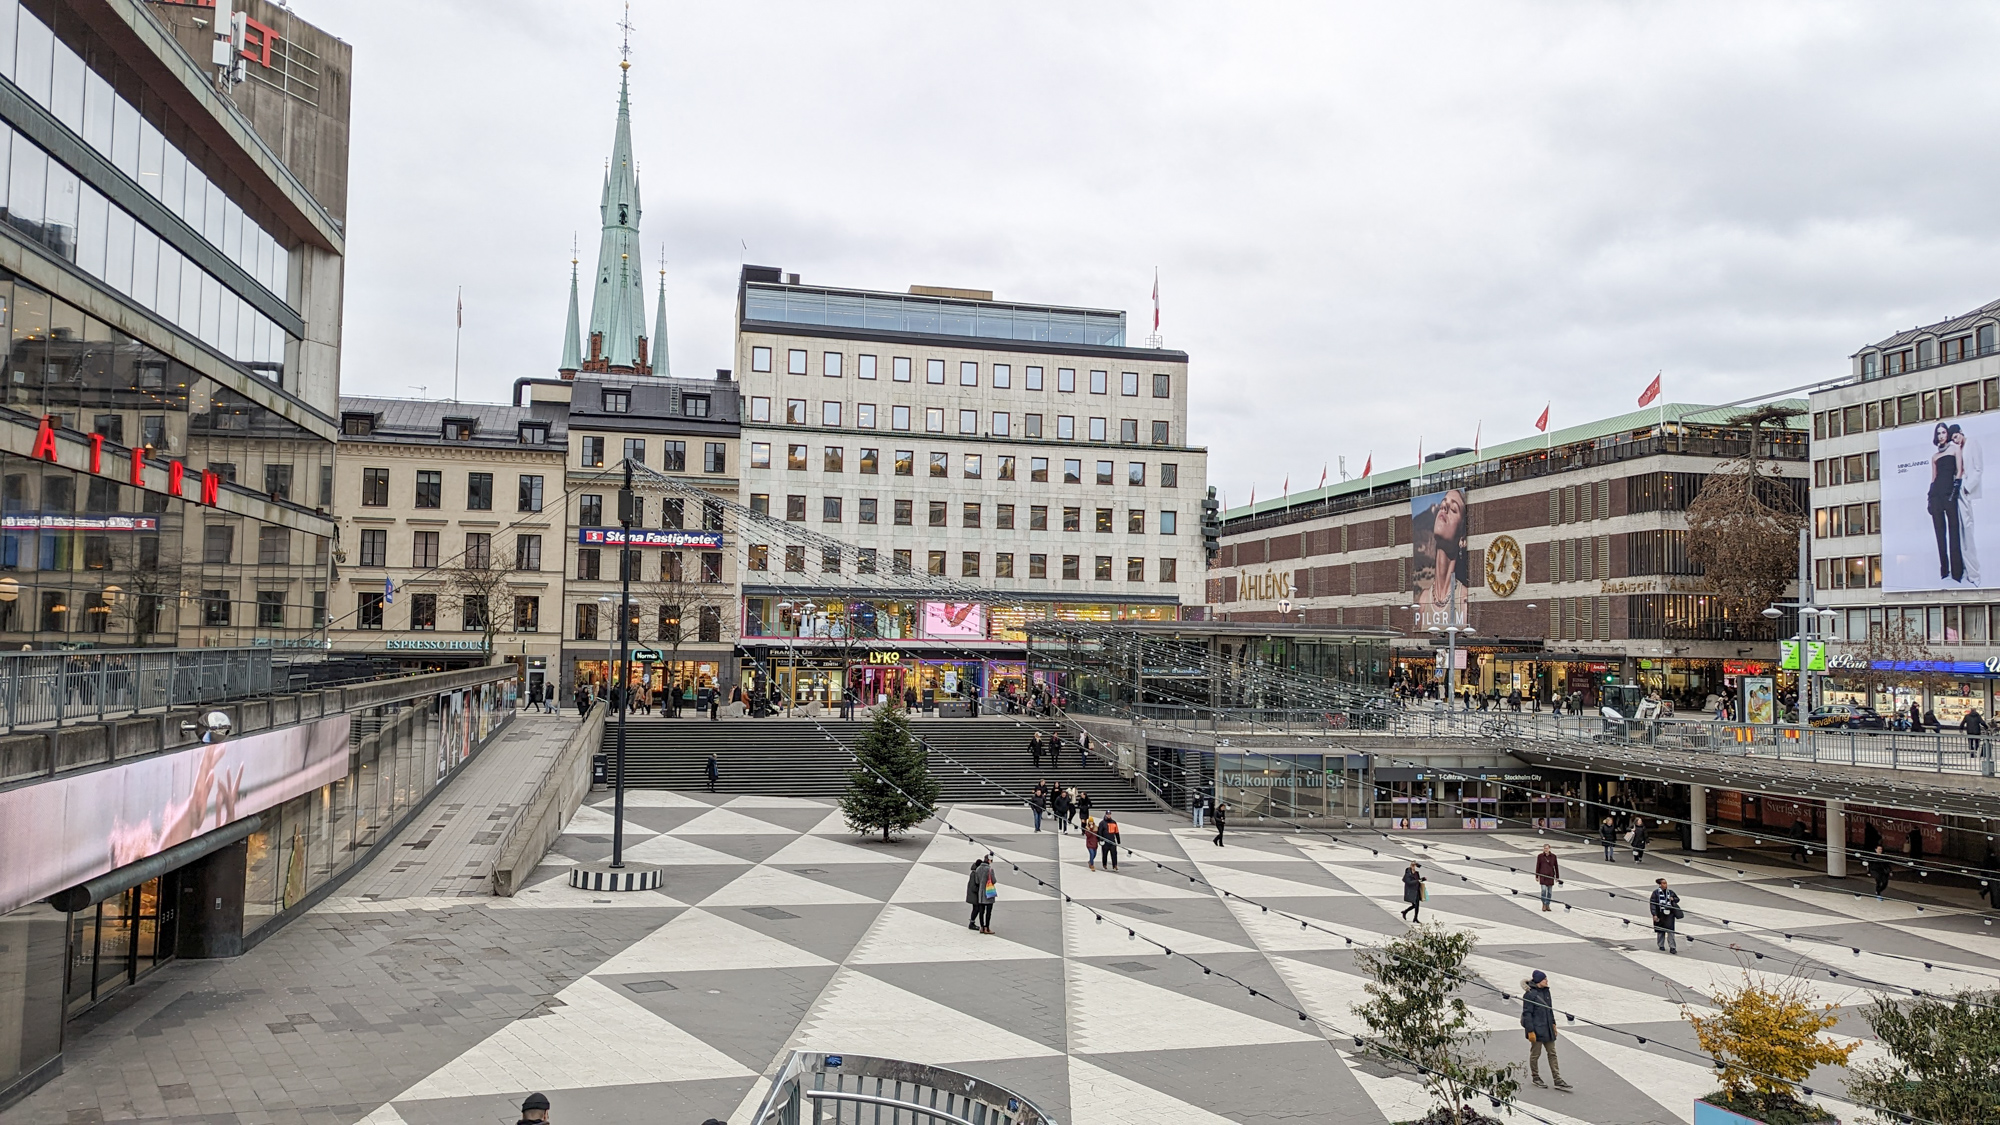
x=62 y=832
x=954 y=620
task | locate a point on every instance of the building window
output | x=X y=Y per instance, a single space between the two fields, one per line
x=635 y=450
x=1072 y=568
x=1097 y=429
x=590 y=510
x=906 y=462
x=1038 y=517
x=430 y=488
x=829 y=414
x=1065 y=427
x=864 y=560
x=970 y=515
x=591 y=455
x=829 y=560
x=270 y=609
x=1072 y=471
x=1170 y=475
x=760 y=454
x=459 y=429
x=711 y=624
x=472 y=613
x=795 y=560
x=1100 y=382
x=795 y=361
x=1003 y=516
x=899 y=417
x=527 y=552
x=357 y=425
x=1003 y=564
x=586 y=622
x=795 y=458
x=795 y=412
x=940 y=464
x=1103 y=521
x=374 y=488
x=1102 y=570
x=1163 y=386
x=424 y=549
x=1038 y=565
x=588 y=564
x=968 y=421
x=935 y=564
x=1033 y=379
x=871 y=461
x=617 y=402
x=905 y=513
x=864 y=415
x=1135 y=569
x=278 y=482
x=714 y=457
x=760 y=408
x=1104 y=470
x=832 y=364
x=527 y=614
x=374 y=547
x=1169 y=570
x=864 y=366
x=478 y=550
x=968 y=564
x=934 y=371
x=1162 y=434
x=899 y=369
x=795 y=508
x=1066 y=380
x=968 y=373
x=367 y=609
x=531 y=494
x=1038 y=470
x=760 y=359
x=938 y=512
x=1072 y=519
x=973 y=466
x=1031 y=425
x=1169 y=523
x=1128 y=431
x=833 y=458
x=479 y=492
x=1135 y=521
x=423 y=612
x=865 y=509
x=758 y=557
x=934 y=419
x=829 y=509
x=531 y=433
x=274 y=547
x=1002 y=424
x=1128 y=384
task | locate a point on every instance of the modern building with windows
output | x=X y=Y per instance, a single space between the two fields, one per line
x=451 y=533
x=171 y=261
x=1025 y=450
x=1577 y=564
x=1903 y=545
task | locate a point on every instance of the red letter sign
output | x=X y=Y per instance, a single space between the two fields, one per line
x=139 y=467
x=175 y=470
x=211 y=483
x=97 y=453
x=45 y=440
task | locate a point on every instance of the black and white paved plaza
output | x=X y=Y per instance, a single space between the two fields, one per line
x=778 y=928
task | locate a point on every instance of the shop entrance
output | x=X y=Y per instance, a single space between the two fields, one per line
x=874 y=683
x=117 y=941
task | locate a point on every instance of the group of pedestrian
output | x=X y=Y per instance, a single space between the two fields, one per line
x=1067 y=804
x=1637 y=836
x=1050 y=747
x=542 y=697
x=1101 y=836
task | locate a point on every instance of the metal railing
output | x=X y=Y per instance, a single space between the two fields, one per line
x=815 y=1088
x=40 y=687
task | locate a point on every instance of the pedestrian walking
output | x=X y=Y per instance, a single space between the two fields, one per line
x=1878 y=864
x=1061 y=805
x=1082 y=804
x=1800 y=834
x=1608 y=832
x=714 y=706
x=981 y=890
x=534 y=1107
x=1107 y=839
x=1037 y=801
x=1083 y=752
x=1973 y=725
x=582 y=701
x=1640 y=834
x=714 y=774
x=1221 y=811
x=1090 y=841
x=1538 y=1020
x=1201 y=803
x=1547 y=871
x=1413 y=893
x=1035 y=750
x=1666 y=907
x=1916 y=847
x=1055 y=751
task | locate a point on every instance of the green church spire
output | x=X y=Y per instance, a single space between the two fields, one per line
x=659 y=342
x=572 y=353
x=617 y=340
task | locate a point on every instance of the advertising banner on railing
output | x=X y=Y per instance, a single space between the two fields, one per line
x=59 y=833
x=1440 y=558
x=1935 y=526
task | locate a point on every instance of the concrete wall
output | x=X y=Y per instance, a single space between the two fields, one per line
x=535 y=828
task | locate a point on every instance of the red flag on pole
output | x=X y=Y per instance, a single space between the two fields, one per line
x=1542 y=423
x=1253 y=495
x=1369 y=467
x=1322 y=476
x=1287 y=490
x=1652 y=392
x=1156 y=298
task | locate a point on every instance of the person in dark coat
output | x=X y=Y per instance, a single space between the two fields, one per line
x=1547 y=871
x=1107 y=839
x=1871 y=836
x=534 y=1109
x=714 y=774
x=1916 y=846
x=1973 y=725
x=1538 y=1022
x=1800 y=834
x=1666 y=906
x=1055 y=751
x=1035 y=750
x=1221 y=810
x=1640 y=834
x=979 y=897
x=1413 y=893
x=1061 y=806
x=1082 y=804
x=1878 y=866
x=1037 y=801
x=1608 y=832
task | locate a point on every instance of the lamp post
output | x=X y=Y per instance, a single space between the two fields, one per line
x=1812 y=626
x=625 y=661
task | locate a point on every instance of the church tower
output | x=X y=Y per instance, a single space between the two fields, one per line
x=617 y=342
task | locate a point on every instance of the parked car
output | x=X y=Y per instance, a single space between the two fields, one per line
x=1849 y=715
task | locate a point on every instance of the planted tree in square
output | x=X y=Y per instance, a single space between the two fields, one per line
x=1766 y=1041
x=1944 y=1062
x=890 y=788
x=1418 y=1020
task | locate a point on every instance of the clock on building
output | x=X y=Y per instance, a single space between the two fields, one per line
x=1503 y=566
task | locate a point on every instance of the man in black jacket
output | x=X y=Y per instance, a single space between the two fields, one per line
x=534 y=1109
x=1666 y=907
x=1538 y=1021
x=1608 y=832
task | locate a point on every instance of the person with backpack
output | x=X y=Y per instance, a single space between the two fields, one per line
x=1107 y=836
x=982 y=889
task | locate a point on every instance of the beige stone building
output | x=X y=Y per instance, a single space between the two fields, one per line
x=450 y=533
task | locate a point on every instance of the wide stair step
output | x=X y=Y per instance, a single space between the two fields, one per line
x=974 y=760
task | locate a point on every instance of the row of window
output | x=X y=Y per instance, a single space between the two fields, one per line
x=1580 y=502
x=867 y=509
x=1580 y=619
x=673 y=454
x=673 y=512
x=707 y=629
x=1854 y=572
x=424 y=549
x=362 y=423
x=1921 y=624
x=1925 y=354
x=867 y=416
x=1580 y=560
x=429 y=492
x=475 y=612
x=833 y=459
x=833 y=365
x=1848 y=519
x=1905 y=410
x=672 y=567
x=1855 y=468
x=617 y=401
x=218 y=547
x=218 y=609
x=866 y=560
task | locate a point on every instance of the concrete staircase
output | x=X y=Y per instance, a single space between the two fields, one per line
x=800 y=758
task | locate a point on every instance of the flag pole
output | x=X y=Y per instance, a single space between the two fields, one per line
x=456 y=334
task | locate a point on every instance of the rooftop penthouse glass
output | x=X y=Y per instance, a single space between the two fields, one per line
x=932 y=316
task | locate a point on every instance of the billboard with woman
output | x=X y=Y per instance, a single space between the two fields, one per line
x=1935 y=530
x=1441 y=558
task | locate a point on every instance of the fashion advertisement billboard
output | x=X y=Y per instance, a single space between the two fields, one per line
x=1440 y=558
x=955 y=621
x=1935 y=529
x=59 y=833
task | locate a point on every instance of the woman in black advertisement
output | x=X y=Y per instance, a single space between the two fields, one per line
x=1947 y=470
x=1443 y=560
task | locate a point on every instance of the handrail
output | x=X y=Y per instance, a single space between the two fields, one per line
x=870 y=1099
x=899 y=1085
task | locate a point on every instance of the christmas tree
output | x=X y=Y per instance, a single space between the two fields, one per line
x=890 y=788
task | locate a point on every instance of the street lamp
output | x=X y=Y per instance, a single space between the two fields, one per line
x=1813 y=623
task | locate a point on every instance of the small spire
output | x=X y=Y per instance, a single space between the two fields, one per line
x=572 y=355
x=659 y=344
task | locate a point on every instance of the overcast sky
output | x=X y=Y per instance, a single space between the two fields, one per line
x=1373 y=223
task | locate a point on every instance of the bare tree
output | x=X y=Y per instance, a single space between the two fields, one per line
x=148 y=601
x=484 y=596
x=689 y=605
x=1743 y=528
